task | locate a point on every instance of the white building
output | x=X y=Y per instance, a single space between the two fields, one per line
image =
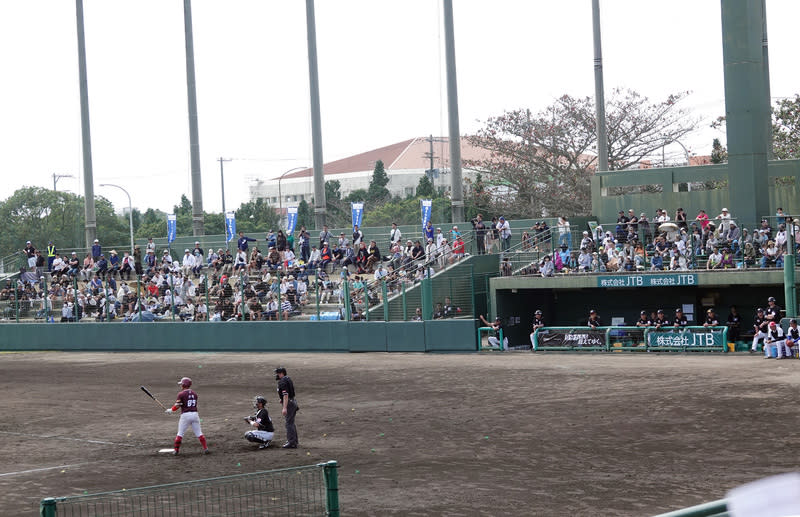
x=405 y=163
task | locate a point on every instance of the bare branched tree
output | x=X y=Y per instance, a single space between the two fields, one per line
x=541 y=164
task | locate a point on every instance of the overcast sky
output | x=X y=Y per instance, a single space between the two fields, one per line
x=381 y=67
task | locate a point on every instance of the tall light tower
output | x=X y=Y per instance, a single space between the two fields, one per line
x=194 y=138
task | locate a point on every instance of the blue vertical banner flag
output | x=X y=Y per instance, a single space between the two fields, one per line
x=291 y=219
x=358 y=213
x=230 y=226
x=427 y=206
x=172 y=227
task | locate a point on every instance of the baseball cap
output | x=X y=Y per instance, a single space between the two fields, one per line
x=678 y=310
x=592 y=311
x=793 y=321
x=660 y=311
x=773 y=324
x=759 y=310
x=710 y=310
x=724 y=209
x=771 y=299
x=28 y=242
x=643 y=313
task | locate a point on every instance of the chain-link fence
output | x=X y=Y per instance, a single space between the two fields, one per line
x=309 y=490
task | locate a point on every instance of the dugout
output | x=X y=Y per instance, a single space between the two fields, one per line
x=619 y=297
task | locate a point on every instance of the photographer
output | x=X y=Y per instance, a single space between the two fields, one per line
x=480 y=233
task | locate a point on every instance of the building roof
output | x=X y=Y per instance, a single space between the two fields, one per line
x=408 y=154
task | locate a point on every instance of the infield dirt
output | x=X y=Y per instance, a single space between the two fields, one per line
x=474 y=434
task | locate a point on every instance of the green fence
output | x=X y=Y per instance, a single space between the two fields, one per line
x=308 y=490
x=686 y=339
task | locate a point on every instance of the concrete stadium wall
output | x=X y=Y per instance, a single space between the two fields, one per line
x=605 y=206
x=276 y=336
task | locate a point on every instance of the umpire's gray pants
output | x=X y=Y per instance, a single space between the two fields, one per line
x=291 y=429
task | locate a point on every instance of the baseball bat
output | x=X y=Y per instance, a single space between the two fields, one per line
x=153 y=397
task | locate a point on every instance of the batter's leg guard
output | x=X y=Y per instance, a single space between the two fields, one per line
x=178 y=441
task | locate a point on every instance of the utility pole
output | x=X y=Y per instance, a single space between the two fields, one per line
x=430 y=155
x=90 y=216
x=599 y=91
x=320 y=204
x=57 y=177
x=457 y=186
x=194 y=139
x=221 y=161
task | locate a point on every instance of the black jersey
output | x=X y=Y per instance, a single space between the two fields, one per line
x=537 y=322
x=661 y=322
x=773 y=313
x=760 y=324
x=681 y=321
x=712 y=321
x=793 y=333
x=594 y=322
x=285 y=388
x=646 y=322
x=264 y=421
x=734 y=320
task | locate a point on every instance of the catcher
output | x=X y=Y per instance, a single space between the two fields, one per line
x=263 y=431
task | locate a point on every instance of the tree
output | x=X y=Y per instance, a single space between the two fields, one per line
x=541 y=164
x=425 y=188
x=338 y=214
x=40 y=215
x=304 y=215
x=719 y=154
x=256 y=216
x=377 y=192
x=358 y=195
x=406 y=212
x=786 y=128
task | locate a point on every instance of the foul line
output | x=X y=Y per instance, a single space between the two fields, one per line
x=39 y=470
x=68 y=438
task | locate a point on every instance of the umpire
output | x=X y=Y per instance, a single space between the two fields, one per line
x=288 y=406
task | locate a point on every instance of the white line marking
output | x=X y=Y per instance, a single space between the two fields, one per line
x=39 y=470
x=50 y=437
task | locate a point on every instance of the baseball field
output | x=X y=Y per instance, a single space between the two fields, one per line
x=469 y=434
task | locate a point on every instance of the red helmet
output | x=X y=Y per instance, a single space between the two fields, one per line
x=185 y=382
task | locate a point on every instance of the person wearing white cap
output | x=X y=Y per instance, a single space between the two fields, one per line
x=188 y=263
x=30 y=253
x=439 y=237
x=96 y=250
x=505 y=233
x=724 y=222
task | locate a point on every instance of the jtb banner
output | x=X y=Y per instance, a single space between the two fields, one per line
x=291 y=219
x=358 y=213
x=230 y=226
x=172 y=227
x=427 y=205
